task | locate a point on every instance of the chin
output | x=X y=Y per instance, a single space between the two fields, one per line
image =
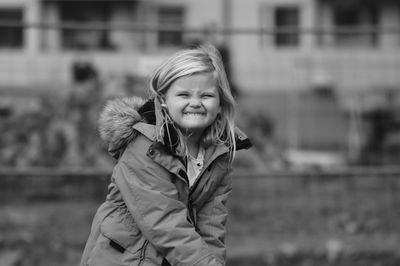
x=195 y=125
x=194 y=128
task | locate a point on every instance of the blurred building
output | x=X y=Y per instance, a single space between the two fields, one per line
x=347 y=50
x=42 y=39
x=354 y=49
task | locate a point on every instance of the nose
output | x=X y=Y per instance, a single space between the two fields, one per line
x=195 y=102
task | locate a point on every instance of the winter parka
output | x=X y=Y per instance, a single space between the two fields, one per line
x=150 y=215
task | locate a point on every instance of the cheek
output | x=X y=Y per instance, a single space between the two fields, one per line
x=173 y=105
x=174 y=113
x=214 y=115
x=215 y=107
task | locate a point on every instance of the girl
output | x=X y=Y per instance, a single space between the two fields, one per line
x=166 y=203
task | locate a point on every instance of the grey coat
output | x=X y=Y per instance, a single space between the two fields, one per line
x=150 y=215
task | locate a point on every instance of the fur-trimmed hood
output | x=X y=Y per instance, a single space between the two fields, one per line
x=116 y=121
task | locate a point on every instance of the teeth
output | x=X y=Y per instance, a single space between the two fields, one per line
x=194 y=114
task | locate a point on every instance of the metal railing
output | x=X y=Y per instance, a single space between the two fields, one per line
x=100 y=26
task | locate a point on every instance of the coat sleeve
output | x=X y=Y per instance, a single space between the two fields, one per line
x=152 y=199
x=212 y=217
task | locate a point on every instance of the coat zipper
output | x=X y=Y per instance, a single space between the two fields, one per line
x=142 y=255
x=193 y=187
x=192 y=211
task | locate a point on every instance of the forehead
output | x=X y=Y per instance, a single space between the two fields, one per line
x=206 y=80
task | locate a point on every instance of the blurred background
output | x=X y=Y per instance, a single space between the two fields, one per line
x=317 y=84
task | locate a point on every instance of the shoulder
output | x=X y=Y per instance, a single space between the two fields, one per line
x=149 y=158
x=138 y=155
x=137 y=149
x=145 y=129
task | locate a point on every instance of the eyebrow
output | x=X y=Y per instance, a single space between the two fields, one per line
x=180 y=89
x=209 y=91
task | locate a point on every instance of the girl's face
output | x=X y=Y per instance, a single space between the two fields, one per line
x=193 y=102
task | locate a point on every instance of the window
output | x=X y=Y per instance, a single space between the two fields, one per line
x=170 y=17
x=356 y=18
x=89 y=14
x=11 y=36
x=286 y=18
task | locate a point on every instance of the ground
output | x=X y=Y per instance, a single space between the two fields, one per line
x=280 y=221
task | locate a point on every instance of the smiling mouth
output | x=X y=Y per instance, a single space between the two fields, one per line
x=194 y=116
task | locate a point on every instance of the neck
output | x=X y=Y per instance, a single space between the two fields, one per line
x=193 y=144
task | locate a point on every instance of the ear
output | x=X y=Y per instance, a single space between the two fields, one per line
x=161 y=100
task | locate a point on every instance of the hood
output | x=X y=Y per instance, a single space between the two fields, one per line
x=116 y=121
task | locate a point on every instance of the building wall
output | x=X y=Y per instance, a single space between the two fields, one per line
x=261 y=66
x=257 y=64
x=42 y=61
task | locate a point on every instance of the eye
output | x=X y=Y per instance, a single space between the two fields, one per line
x=208 y=95
x=182 y=94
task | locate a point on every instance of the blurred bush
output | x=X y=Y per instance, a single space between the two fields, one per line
x=58 y=130
x=55 y=134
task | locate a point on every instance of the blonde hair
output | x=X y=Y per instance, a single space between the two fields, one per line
x=202 y=59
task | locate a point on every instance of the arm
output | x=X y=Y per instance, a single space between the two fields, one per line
x=152 y=199
x=212 y=217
